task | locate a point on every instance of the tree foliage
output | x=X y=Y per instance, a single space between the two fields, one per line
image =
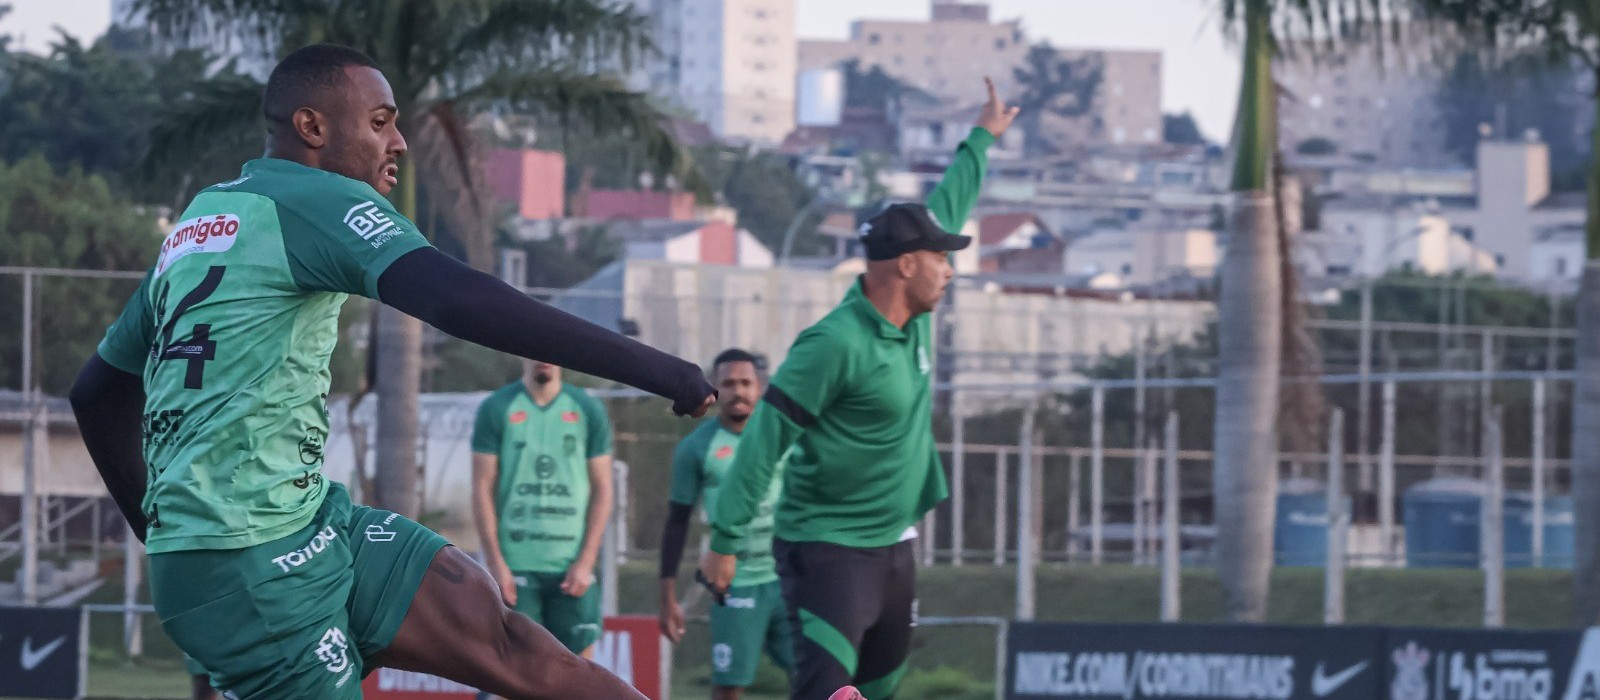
x=1181 y=129
x=762 y=187
x=64 y=218
x=95 y=107
x=1053 y=84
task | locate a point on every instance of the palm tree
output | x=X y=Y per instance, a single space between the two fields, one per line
x=447 y=60
x=1565 y=31
x=1258 y=308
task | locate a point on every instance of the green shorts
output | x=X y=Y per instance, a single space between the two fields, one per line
x=575 y=622
x=753 y=618
x=297 y=617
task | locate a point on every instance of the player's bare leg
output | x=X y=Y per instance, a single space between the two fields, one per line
x=726 y=692
x=458 y=628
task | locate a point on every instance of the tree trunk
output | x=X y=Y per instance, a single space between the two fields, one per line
x=1586 y=418
x=399 y=370
x=1249 y=310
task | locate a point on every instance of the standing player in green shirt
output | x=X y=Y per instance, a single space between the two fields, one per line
x=541 y=496
x=204 y=409
x=752 y=616
x=853 y=398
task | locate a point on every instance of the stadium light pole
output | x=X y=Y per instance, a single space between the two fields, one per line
x=958 y=475
x=1333 y=584
x=1171 y=565
x=1097 y=474
x=1386 y=474
x=1537 y=477
x=1493 y=524
x=1027 y=483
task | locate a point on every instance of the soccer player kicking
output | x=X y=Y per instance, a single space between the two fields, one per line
x=752 y=616
x=261 y=569
x=853 y=398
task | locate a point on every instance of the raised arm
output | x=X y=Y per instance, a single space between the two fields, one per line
x=957 y=192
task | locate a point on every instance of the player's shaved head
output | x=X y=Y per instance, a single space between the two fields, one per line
x=329 y=107
x=307 y=78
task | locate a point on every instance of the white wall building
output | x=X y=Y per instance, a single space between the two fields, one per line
x=1379 y=240
x=1514 y=204
x=1146 y=255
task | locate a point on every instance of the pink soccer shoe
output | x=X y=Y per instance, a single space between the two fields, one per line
x=848 y=692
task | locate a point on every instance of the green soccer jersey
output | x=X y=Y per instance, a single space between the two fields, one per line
x=232 y=330
x=542 y=493
x=698 y=468
x=853 y=400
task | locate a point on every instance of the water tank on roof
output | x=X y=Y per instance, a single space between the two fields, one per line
x=1300 y=532
x=820 y=101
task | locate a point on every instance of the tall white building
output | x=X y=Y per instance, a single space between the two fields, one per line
x=731 y=62
x=1380 y=109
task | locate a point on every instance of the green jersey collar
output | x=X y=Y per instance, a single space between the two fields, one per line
x=857 y=299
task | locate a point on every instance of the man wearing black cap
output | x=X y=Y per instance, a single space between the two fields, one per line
x=854 y=402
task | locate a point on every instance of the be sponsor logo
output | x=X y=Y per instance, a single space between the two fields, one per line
x=370 y=223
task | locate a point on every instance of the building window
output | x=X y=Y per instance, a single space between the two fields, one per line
x=873 y=39
x=898 y=60
x=1127 y=269
x=1499 y=260
x=1000 y=44
x=758 y=119
x=1561 y=267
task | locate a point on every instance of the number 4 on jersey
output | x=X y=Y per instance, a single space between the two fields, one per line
x=198 y=348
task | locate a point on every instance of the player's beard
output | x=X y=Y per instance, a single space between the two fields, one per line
x=738 y=412
x=541 y=378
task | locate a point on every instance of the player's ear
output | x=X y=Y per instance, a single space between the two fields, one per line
x=906 y=265
x=311 y=126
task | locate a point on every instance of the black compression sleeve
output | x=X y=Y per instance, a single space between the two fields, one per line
x=476 y=307
x=109 y=406
x=673 y=538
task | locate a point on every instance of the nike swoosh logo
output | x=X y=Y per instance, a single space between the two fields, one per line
x=31 y=657
x=1323 y=685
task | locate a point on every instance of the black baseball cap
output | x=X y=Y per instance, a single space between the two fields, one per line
x=905 y=228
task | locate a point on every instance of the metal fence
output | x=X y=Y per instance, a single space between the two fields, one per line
x=1076 y=448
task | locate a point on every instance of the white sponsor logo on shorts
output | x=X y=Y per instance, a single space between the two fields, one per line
x=722 y=657
x=334 y=653
x=300 y=556
x=744 y=603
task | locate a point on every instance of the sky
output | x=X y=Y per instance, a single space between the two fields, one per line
x=1200 y=72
